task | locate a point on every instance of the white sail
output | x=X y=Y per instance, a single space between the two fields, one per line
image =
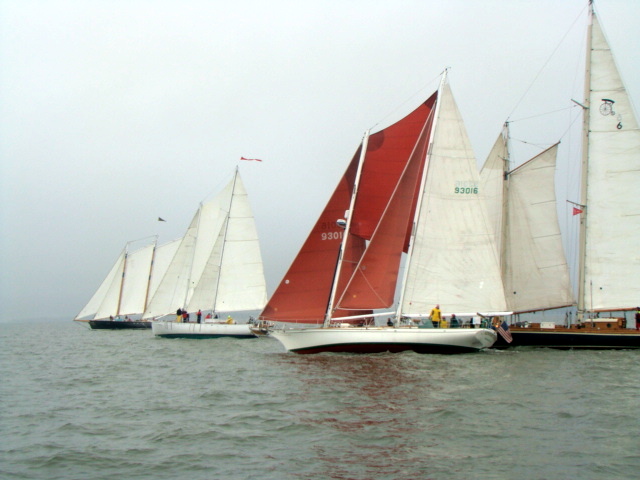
x=610 y=191
x=230 y=274
x=136 y=281
x=171 y=291
x=536 y=274
x=105 y=300
x=218 y=265
x=161 y=260
x=453 y=260
x=242 y=284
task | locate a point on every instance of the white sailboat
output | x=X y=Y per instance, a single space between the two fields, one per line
x=413 y=188
x=217 y=267
x=124 y=293
x=609 y=264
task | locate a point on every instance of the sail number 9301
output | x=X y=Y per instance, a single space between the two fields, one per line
x=331 y=235
x=466 y=188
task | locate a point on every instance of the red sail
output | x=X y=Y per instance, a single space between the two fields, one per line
x=373 y=282
x=303 y=293
x=388 y=152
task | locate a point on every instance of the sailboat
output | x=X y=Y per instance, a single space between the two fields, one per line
x=411 y=187
x=124 y=293
x=609 y=265
x=217 y=267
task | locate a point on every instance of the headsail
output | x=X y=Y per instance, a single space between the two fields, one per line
x=453 y=260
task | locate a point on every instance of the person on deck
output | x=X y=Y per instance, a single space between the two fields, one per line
x=637 y=318
x=436 y=316
x=199 y=316
x=230 y=320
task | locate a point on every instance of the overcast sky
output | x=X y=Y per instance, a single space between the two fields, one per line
x=113 y=113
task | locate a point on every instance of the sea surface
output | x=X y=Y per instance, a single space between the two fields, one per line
x=86 y=405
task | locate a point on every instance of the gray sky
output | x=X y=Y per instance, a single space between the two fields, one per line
x=113 y=113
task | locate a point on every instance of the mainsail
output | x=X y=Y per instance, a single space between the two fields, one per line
x=217 y=265
x=610 y=224
x=522 y=211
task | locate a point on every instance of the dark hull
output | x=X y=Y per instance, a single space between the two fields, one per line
x=113 y=325
x=572 y=338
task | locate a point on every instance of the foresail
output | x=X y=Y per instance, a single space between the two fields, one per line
x=172 y=289
x=105 y=289
x=111 y=299
x=612 y=212
x=492 y=186
x=136 y=281
x=161 y=260
x=453 y=259
x=536 y=274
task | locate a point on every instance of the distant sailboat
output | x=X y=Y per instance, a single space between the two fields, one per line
x=409 y=188
x=609 y=264
x=124 y=293
x=217 y=267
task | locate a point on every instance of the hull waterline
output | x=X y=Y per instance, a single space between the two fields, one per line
x=117 y=325
x=201 y=330
x=383 y=339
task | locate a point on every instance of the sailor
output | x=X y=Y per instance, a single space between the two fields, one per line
x=230 y=320
x=389 y=322
x=436 y=316
x=637 y=318
x=199 y=316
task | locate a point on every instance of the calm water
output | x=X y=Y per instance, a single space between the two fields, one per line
x=82 y=404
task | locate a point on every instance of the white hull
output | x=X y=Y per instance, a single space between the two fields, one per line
x=385 y=339
x=201 y=330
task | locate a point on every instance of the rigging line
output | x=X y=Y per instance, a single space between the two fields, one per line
x=542 y=114
x=407 y=100
x=547 y=62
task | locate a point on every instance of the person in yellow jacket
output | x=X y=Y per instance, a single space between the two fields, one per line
x=230 y=320
x=436 y=316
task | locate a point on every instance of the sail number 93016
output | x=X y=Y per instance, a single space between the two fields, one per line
x=466 y=188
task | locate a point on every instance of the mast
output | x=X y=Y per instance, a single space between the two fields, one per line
x=354 y=194
x=153 y=257
x=124 y=271
x=582 y=288
x=416 y=215
x=505 y=201
x=224 y=239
